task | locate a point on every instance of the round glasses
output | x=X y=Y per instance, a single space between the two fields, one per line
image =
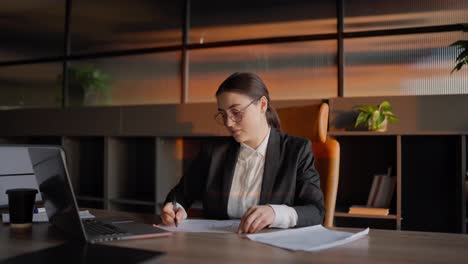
x=235 y=115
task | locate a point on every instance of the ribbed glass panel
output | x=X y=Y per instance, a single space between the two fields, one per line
x=213 y=20
x=129 y=80
x=418 y=64
x=300 y=70
x=31 y=29
x=362 y=15
x=125 y=24
x=35 y=85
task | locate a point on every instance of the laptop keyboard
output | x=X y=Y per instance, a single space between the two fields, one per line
x=96 y=228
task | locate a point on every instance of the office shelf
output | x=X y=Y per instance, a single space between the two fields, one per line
x=131 y=168
x=361 y=158
x=85 y=162
x=431 y=169
x=132 y=156
x=428 y=157
x=426 y=166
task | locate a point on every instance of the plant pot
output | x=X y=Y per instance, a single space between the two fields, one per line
x=381 y=128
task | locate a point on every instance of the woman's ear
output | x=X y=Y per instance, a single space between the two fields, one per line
x=263 y=104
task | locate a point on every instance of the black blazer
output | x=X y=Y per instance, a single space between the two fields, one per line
x=289 y=178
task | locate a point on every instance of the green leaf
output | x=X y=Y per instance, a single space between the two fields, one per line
x=380 y=120
x=458 y=66
x=465 y=27
x=362 y=118
x=462 y=55
x=460 y=43
x=375 y=118
x=392 y=118
x=385 y=106
x=366 y=108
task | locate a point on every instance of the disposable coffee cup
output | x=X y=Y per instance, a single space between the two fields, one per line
x=21 y=206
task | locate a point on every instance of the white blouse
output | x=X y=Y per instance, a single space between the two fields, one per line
x=247 y=185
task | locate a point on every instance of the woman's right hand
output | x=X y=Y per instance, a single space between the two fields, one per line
x=168 y=214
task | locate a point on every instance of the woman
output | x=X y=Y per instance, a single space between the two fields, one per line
x=260 y=175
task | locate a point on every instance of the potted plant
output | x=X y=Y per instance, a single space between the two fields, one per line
x=375 y=117
x=462 y=45
x=86 y=85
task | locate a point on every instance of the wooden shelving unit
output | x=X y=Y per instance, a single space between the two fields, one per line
x=377 y=152
x=428 y=157
x=85 y=163
x=130 y=171
x=127 y=158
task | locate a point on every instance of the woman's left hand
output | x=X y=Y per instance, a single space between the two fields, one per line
x=256 y=218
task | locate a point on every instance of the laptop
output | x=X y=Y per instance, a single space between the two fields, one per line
x=54 y=183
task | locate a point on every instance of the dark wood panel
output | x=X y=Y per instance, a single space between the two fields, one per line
x=465 y=182
x=195 y=119
x=171 y=120
x=60 y=122
x=140 y=175
x=146 y=120
x=361 y=158
x=91 y=166
x=431 y=114
x=430 y=179
x=85 y=159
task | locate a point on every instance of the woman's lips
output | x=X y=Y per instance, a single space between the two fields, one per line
x=235 y=132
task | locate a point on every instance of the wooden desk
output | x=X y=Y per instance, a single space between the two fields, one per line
x=381 y=246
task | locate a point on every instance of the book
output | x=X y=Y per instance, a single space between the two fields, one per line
x=382 y=189
x=380 y=196
x=374 y=188
x=356 y=209
x=384 y=195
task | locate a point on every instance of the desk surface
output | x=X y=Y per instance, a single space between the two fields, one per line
x=381 y=246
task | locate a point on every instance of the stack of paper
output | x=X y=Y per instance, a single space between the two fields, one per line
x=310 y=238
x=205 y=226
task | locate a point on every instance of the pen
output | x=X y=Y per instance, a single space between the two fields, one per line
x=174 y=207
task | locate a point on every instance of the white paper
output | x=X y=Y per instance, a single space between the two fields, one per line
x=312 y=238
x=205 y=226
x=42 y=217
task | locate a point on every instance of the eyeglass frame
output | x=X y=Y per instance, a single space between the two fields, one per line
x=231 y=116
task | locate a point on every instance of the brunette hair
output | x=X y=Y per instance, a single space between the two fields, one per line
x=253 y=86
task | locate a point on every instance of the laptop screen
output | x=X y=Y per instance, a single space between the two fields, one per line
x=56 y=190
x=15 y=171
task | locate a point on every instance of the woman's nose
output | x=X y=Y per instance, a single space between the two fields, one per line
x=229 y=122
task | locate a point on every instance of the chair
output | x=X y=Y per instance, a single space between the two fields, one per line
x=312 y=122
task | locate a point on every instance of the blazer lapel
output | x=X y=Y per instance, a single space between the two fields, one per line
x=228 y=174
x=271 y=166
